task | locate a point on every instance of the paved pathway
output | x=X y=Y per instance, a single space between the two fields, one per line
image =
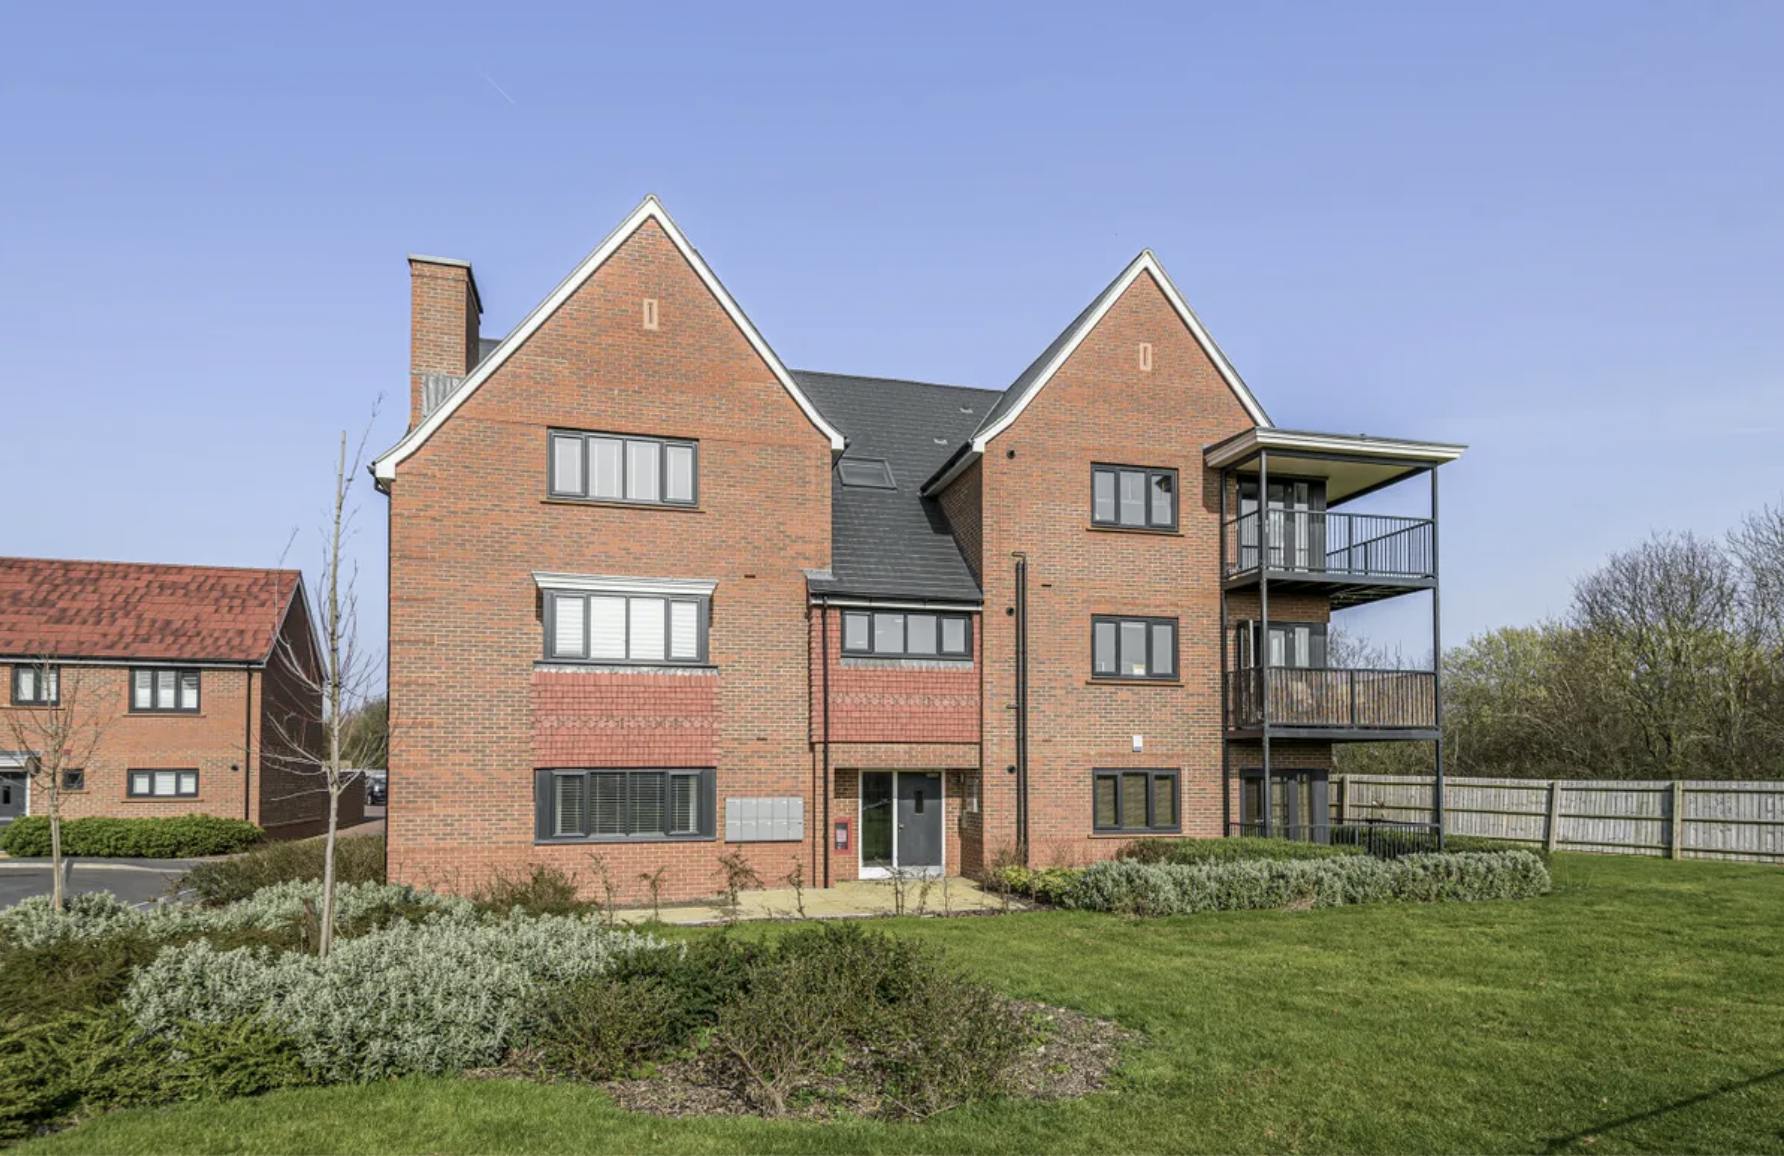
x=852 y=900
x=132 y=880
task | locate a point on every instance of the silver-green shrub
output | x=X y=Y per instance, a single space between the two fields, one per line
x=32 y=923
x=443 y=994
x=1185 y=889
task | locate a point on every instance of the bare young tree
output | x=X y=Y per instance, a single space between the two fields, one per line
x=313 y=698
x=56 y=737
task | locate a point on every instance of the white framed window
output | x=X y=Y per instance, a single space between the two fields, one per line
x=163 y=784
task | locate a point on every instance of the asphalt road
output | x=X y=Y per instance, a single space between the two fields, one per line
x=133 y=884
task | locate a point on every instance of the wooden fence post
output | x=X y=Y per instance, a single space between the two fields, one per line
x=1675 y=843
x=1551 y=831
x=1343 y=799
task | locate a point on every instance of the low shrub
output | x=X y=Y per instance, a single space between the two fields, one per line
x=1150 y=889
x=1230 y=850
x=544 y=890
x=99 y=915
x=1487 y=845
x=61 y=975
x=442 y=994
x=359 y=859
x=601 y=1028
x=173 y=837
x=83 y=1062
x=1044 y=884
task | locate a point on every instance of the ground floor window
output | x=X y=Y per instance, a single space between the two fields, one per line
x=1135 y=800
x=1298 y=805
x=573 y=804
x=163 y=784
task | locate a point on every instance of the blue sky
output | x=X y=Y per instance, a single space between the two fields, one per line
x=1554 y=232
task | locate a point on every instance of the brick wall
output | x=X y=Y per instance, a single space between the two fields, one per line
x=443 y=324
x=1102 y=407
x=221 y=742
x=589 y=718
x=961 y=505
x=876 y=700
x=470 y=522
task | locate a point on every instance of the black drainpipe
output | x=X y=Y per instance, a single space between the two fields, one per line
x=824 y=659
x=1022 y=706
x=248 y=747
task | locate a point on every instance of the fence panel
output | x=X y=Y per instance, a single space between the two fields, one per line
x=1742 y=821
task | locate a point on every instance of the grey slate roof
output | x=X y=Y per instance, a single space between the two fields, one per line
x=895 y=543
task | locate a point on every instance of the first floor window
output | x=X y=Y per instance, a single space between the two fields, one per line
x=36 y=686
x=164 y=690
x=163 y=784
x=906 y=634
x=1136 y=648
x=625 y=628
x=1134 y=800
x=628 y=804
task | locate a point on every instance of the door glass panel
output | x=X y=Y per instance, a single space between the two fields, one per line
x=876 y=820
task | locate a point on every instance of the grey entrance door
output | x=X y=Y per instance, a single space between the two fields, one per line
x=919 y=820
x=12 y=796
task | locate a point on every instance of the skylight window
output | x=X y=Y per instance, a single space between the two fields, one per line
x=867 y=473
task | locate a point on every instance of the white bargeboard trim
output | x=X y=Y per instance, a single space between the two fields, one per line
x=384 y=466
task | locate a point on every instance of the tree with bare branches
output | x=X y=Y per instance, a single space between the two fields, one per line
x=55 y=737
x=323 y=688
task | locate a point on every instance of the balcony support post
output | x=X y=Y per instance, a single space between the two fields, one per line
x=1262 y=645
x=1436 y=665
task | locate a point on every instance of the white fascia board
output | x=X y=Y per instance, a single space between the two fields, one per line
x=613 y=584
x=384 y=466
x=859 y=603
x=1144 y=263
x=1292 y=441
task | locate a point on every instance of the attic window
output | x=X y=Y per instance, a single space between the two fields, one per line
x=869 y=473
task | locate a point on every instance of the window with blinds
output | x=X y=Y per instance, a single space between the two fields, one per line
x=613 y=468
x=162 y=784
x=625 y=628
x=164 y=690
x=1134 y=800
x=36 y=686
x=630 y=804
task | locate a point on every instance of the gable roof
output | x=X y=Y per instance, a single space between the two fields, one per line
x=1040 y=371
x=142 y=612
x=384 y=466
x=895 y=543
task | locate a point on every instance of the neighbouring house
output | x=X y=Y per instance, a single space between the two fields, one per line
x=657 y=598
x=204 y=679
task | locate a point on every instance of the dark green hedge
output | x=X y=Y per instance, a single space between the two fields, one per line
x=1230 y=850
x=174 y=837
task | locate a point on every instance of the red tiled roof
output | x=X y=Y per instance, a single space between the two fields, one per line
x=140 y=611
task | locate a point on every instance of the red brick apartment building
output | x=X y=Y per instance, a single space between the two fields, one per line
x=656 y=597
x=192 y=673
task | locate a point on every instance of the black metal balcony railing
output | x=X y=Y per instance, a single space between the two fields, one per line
x=1332 y=697
x=1380 y=838
x=1328 y=543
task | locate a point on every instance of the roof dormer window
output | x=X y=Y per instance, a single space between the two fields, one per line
x=866 y=473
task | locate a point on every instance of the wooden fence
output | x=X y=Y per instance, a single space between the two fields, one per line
x=1691 y=820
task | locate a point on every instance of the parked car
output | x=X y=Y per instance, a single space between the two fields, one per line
x=376 y=788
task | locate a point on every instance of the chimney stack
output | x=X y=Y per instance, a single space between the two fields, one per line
x=444 y=311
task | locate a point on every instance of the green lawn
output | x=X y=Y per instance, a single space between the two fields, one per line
x=1640 y=1007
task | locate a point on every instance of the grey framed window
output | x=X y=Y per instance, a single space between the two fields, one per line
x=1133 y=497
x=866 y=473
x=906 y=634
x=592 y=806
x=622 y=468
x=1133 y=648
x=158 y=784
x=163 y=690
x=35 y=685
x=1134 y=800
x=626 y=628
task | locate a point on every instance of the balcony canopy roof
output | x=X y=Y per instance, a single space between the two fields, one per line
x=1351 y=464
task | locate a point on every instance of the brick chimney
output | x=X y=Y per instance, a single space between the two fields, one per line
x=444 y=311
